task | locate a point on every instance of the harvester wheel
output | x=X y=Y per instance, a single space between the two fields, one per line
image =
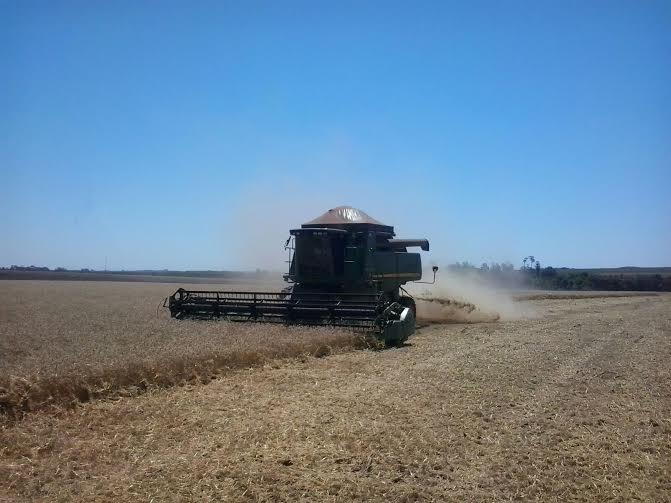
x=409 y=302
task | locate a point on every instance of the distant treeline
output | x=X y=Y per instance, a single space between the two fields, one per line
x=532 y=275
x=163 y=276
x=148 y=272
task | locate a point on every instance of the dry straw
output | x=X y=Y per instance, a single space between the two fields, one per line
x=62 y=343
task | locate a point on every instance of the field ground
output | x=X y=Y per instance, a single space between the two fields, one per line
x=64 y=342
x=572 y=294
x=574 y=404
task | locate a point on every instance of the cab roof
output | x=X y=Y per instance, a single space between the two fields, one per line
x=346 y=217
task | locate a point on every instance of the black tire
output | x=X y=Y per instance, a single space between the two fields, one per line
x=409 y=302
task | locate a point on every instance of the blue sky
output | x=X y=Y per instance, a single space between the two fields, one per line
x=193 y=135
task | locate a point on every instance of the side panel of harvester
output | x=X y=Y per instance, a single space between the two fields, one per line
x=392 y=268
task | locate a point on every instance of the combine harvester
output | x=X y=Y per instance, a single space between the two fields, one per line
x=346 y=270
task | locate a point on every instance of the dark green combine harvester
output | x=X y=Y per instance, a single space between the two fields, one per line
x=347 y=270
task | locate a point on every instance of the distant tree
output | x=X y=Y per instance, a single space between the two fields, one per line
x=549 y=272
x=666 y=284
x=461 y=266
x=28 y=268
x=657 y=282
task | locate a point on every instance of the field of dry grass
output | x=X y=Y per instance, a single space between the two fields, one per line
x=583 y=294
x=573 y=404
x=62 y=343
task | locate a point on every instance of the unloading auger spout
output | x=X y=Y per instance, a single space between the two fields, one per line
x=346 y=270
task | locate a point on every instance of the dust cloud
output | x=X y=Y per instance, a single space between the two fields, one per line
x=259 y=220
x=259 y=224
x=260 y=216
x=465 y=298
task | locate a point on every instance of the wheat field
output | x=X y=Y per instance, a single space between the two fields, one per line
x=63 y=343
x=572 y=404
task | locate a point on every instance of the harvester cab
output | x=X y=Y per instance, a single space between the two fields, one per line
x=346 y=269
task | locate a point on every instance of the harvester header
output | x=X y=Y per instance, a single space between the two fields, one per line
x=346 y=269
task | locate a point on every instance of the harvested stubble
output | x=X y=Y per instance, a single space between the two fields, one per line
x=585 y=294
x=437 y=310
x=573 y=405
x=67 y=342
